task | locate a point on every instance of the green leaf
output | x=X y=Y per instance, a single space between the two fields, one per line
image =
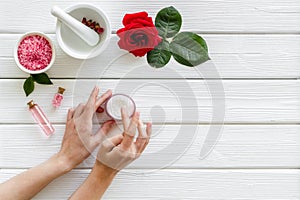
x=160 y=55
x=42 y=79
x=189 y=49
x=28 y=86
x=168 y=22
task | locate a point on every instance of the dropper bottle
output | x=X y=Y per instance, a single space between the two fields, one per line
x=40 y=118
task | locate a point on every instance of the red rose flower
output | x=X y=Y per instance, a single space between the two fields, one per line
x=139 y=34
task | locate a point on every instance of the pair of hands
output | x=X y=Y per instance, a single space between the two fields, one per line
x=115 y=153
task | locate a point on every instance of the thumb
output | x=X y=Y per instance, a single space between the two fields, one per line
x=110 y=143
x=103 y=131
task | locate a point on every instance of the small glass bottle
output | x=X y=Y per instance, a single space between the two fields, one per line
x=58 y=97
x=40 y=118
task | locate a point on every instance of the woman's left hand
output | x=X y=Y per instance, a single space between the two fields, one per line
x=79 y=140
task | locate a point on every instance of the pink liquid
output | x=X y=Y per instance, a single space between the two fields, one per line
x=42 y=120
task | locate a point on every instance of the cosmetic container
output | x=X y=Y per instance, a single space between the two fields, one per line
x=112 y=107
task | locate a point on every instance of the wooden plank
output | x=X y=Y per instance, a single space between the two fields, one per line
x=233 y=56
x=167 y=101
x=240 y=146
x=183 y=184
x=238 y=16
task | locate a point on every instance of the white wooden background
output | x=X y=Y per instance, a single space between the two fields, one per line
x=255 y=46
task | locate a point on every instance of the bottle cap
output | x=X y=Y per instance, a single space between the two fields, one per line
x=61 y=90
x=30 y=104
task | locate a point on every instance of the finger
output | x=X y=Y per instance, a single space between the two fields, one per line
x=149 y=130
x=142 y=147
x=127 y=141
x=129 y=135
x=142 y=138
x=141 y=130
x=125 y=118
x=103 y=131
x=103 y=98
x=134 y=124
x=106 y=127
x=90 y=106
x=78 y=110
x=110 y=143
x=70 y=114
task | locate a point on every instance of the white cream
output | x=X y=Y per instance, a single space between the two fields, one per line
x=118 y=101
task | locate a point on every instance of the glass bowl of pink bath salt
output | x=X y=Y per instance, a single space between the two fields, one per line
x=34 y=53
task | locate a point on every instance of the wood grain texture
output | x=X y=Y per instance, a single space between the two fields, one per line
x=238 y=16
x=233 y=56
x=183 y=184
x=247 y=39
x=240 y=146
x=166 y=101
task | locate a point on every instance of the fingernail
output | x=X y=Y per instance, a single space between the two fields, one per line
x=100 y=109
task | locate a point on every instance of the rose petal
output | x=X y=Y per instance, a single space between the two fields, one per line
x=139 y=35
x=144 y=22
x=129 y=17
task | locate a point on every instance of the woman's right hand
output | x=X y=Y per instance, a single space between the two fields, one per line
x=117 y=152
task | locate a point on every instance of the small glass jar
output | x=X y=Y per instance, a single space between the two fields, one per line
x=58 y=97
x=112 y=107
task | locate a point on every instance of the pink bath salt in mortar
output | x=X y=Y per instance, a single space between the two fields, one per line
x=34 y=52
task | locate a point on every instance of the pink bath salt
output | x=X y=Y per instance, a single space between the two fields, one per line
x=35 y=52
x=56 y=102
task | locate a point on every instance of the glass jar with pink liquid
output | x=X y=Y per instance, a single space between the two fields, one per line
x=40 y=118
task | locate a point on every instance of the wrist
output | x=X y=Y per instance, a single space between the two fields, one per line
x=62 y=163
x=103 y=172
